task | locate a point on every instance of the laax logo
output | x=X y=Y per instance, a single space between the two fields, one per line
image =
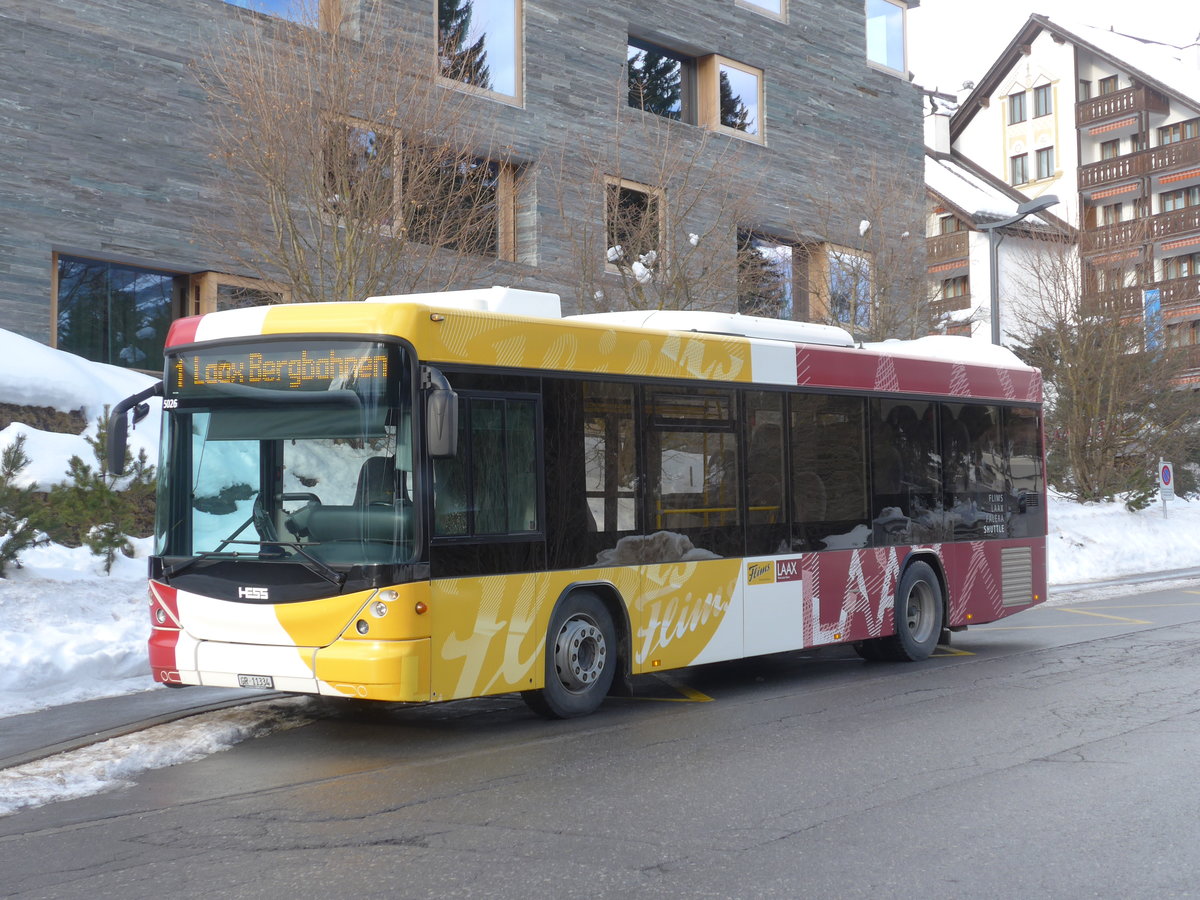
x=760 y=573
x=253 y=593
x=788 y=570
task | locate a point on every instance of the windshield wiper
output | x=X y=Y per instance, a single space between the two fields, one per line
x=313 y=564
x=333 y=576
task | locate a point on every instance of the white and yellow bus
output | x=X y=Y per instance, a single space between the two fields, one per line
x=430 y=497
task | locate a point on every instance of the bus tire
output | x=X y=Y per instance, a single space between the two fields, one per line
x=918 y=614
x=581 y=658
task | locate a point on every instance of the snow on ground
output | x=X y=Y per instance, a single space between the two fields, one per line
x=69 y=633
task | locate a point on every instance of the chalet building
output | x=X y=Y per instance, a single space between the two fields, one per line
x=963 y=203
x=1110 y=124
x=106 y=167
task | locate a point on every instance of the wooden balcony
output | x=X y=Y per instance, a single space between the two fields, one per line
x=1119 y=103
x=1155 y=161
x=947 y=247
x=1137 y=232
x=940 y=307
x=1190 y=356
x=1173 y=294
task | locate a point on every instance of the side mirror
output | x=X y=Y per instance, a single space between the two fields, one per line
x=441 y=423
x=118 y=426
x=441 y=416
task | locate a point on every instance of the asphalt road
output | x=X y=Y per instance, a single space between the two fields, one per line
x=1049 y=755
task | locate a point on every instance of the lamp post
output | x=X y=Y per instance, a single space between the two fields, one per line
x=1028 y=208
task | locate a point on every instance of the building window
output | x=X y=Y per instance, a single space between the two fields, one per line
x=1181 y=266
x=850 y=289
x=885 y=34
x=1016 y=108
x=1043 y=101
x=1108 y=85
x=660 y=81
x=766 y=273
x=1085 y=89
x=436 y=196
x=361 y=180
x=1018 y=167
x=737 y=94
x=479 y=44
x=775 y=8
x=1180 y=131
x=949 y=225
x=115 y=313
x=1110 y=214
x=709 y=90
x=212 y=291
x=955 y=288
x=1110 y=149
x=633 y=227
x=1045 y=162
x=1180 y=199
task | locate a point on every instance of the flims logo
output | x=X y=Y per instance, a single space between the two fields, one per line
x=252 y=593
x=760 y=573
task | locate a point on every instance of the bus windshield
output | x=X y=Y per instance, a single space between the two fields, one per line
x=297 y=451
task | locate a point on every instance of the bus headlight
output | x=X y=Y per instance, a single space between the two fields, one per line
x=379 y=609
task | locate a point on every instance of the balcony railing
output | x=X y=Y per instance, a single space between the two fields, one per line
x=1172 y=294
x=950 y=304
x=1136 y=232
x=1118 y=103
x=1144 y=162
x=1189 y=356
x=947 y=247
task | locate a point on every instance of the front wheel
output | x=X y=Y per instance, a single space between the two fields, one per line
x=919 y=616
x=581 y=658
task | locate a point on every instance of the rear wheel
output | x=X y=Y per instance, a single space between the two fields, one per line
x=581 y=658
x=919 y=616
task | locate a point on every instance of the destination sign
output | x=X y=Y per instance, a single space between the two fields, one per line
x=282 y=366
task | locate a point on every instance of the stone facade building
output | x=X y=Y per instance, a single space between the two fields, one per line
x=107 y=169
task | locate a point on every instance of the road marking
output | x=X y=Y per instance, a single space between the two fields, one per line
x=946 y=650
x=1125 y=619
x=690 y=694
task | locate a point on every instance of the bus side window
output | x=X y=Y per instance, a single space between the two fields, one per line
x=829 y=472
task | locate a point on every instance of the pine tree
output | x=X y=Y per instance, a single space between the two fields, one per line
x=17 y=530
x=655 y=83
x=734 y=113
x=461 y=61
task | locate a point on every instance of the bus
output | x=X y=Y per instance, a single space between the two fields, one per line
x=428 y=497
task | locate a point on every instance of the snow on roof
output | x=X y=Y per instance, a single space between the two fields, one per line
x=1174 y=67
x=951 y=348
x=967 y=190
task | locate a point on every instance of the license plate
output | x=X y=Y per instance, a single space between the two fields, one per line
x=256 y=681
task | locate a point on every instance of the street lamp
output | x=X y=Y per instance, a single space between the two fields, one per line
x=1028 y=208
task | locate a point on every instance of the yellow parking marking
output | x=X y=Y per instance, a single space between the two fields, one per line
x=944 y=650
x=1087 y=612
x=690 y=694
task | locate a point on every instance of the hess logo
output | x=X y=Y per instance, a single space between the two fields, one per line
x=252 y=593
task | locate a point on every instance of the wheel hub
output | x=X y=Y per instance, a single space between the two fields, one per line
x=579 y=654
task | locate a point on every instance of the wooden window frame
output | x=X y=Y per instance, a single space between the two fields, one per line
x=1041 y=155
x=658 y=197
x=881 y=66
x=708 y=74
x=1017 y=104
x=1043 y=100
x=517 y=98
x=1012 y=168
x=757 y=7
x=203 y=288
